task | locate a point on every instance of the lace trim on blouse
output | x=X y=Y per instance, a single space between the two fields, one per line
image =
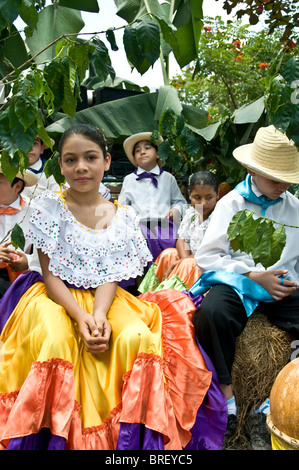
x=83 y=256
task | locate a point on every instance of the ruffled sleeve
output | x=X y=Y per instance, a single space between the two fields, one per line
x=82 y=256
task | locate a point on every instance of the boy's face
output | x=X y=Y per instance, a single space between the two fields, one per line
x=145 y=155
x=36 y=151
x=270 y=188
x=8 y=193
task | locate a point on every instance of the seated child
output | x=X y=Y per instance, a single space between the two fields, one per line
x=12 y=211
x=236 y=285
x=153 y=193
x=179 y=262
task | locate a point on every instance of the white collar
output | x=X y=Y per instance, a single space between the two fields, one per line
x=37 y=165
x=155 y=170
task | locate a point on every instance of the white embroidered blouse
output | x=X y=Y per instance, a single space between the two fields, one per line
x=192 y=230
x=82 y=256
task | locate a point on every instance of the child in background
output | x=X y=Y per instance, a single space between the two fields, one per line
x=236 y=285
x=13 y=211
x=36 y=166
x=84 y=364
x=178 y=264
x=153 y=193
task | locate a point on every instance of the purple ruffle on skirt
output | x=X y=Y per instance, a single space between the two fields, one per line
x=196 y=299
x=14 y=293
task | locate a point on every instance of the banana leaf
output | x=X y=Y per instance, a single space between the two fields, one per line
x=53 y=23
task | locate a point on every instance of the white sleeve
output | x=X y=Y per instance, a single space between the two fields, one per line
x=123 y=196
x=177 y=199
x=215 y=252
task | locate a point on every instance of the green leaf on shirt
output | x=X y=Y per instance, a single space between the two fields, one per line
x=257 y=236
x=17 y=237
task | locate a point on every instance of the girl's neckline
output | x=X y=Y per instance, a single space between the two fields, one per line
x=62 y=195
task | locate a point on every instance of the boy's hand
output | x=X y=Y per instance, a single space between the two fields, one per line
x=278 y=287
x=19 y=262
x=174 y=215
x=7 y=253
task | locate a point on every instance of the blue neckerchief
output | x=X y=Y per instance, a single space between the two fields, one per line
x=244 y=188
x=36 y=172
x=250 y=293
x=147 y=174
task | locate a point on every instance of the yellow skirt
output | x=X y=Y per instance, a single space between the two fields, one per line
x=150 y=374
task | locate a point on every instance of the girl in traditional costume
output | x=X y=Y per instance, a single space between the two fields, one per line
x=83 y=363
x=176 y=267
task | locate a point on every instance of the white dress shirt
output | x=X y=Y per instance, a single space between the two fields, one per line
x=7 y=222
x=215 y=252
x=148 y=201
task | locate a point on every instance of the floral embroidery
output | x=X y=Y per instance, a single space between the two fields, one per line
x=83 y=256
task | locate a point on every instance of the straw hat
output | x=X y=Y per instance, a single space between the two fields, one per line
x=131 y=141
x=29 y=178
x=271 y=155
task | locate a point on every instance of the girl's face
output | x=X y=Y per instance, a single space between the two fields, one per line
x=82 y=163
x=269 y=188
x=203 y=198
x=145 y=155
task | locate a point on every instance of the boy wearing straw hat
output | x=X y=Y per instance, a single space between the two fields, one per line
x=13 y=210
x=152 y=192
x=237 y=285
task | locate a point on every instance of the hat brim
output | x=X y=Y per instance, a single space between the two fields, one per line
x=243 y=155
x=29 y=178
x=131 y=141
x=47 y=146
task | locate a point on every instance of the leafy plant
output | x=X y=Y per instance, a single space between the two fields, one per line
x=257 y=236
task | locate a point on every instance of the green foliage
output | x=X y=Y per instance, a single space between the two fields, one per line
x=181 y=148
x=233 y=67
x=279 y=14
x=257 y=236
x=142 y=43
x=17 y=237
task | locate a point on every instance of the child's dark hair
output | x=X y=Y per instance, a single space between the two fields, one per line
x=204 y=177
x=90 y=132
x=150 y=143
x=15 y=181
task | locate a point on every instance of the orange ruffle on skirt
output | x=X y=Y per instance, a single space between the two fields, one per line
x=153 y=372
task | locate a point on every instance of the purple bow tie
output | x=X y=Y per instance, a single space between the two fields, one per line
x=147 y=174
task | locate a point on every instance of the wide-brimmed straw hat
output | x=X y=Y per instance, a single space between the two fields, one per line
x=271 y=155
x=29 y=178
x=131 y=141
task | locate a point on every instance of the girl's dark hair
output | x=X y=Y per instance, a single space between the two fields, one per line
x=203 y=177
x=90 y=132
